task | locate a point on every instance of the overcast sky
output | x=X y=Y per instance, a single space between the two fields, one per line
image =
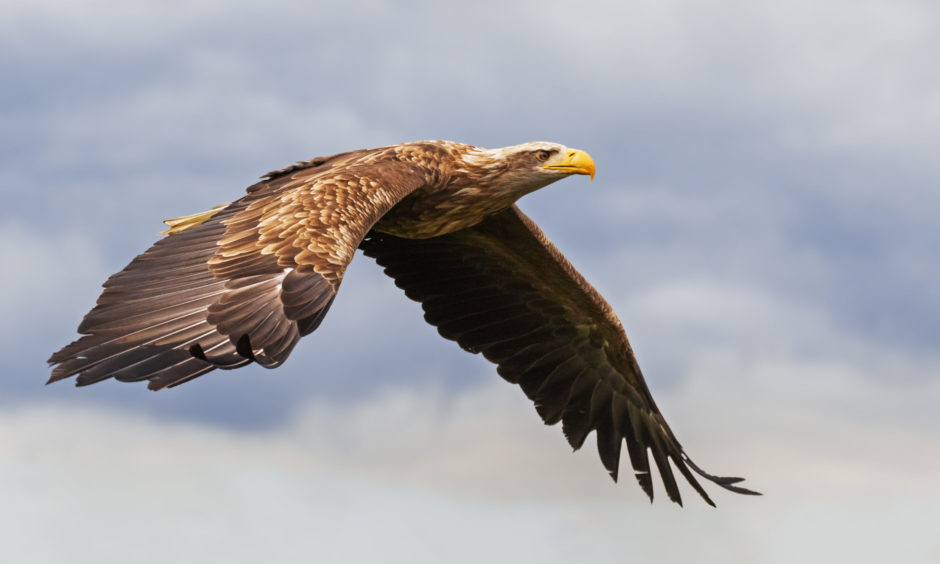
x=763 y=220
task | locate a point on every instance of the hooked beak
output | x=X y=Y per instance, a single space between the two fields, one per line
x=572 y=162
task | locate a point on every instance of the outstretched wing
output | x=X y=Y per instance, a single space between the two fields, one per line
x=502 y=289
x=242 y=283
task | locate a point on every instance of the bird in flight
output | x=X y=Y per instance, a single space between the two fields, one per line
x=243 y=282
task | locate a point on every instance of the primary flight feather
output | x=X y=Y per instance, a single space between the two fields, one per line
x=245 y=281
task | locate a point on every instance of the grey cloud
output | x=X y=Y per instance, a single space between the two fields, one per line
x=762 y=220
x=783 y=153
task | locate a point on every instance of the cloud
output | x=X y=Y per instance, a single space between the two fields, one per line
x=409 y=474
x=712 y=125
x=31 y=287
x=763 y=222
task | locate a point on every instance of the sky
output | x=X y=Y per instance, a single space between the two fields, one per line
x=763 y=221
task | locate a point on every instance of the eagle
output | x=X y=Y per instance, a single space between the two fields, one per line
x=244 y=281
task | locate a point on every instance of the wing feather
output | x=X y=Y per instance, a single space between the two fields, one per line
x=241 y=283
x=502 y=289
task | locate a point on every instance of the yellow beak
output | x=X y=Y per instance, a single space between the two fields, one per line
x=572 y=162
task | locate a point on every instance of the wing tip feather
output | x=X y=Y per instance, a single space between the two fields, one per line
x=726 y=482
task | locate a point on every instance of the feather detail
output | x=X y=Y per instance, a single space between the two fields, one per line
x=180 y=224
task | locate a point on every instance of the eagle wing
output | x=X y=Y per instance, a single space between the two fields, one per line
x=502 y=289
x=239 y=284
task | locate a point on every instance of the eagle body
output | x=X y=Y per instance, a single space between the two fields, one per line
x=243 y=283
x=463 y=185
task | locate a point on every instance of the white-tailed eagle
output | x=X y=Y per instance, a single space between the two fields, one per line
x=245 y=281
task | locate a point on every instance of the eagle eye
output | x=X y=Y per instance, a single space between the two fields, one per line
x=543 y=155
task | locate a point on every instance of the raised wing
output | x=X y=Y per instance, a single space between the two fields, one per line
x=502 y=289
x=240 y=284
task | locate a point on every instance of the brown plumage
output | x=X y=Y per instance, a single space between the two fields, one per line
x=243 y=282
